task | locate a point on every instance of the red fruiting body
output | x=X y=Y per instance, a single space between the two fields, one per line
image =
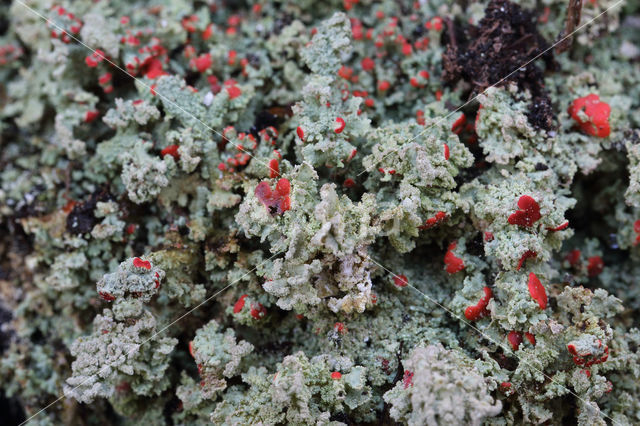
x=208 y=32
x=454 y=263
x=531 y=338
x=537 y=291
x=573 y=257
x=526 y=255
x=400 y=280
x=488 y=236
x=528 y=214
x=479 y=310
x=367 y=64
x=237 y=307
x=407 y=379
x=139 y=263
x=636 y=226
x=340 y=328
x=233 y=91
x=91 y=115
x=104 y=78
x=349 y=183
x=278 y=201
x=231 y=57
x=433 y=221
x=560 y=227
x=353 y=154
x=345 y=72
x=336 y=375
x=597 y=112
x=340 y=125
x=586 y=373
x=93 y=60
x=446 y=151
x=587 y=359
x=435 y=23
x=171 y=150
x=300 y=133
x=157 y=280
x=258 y=311
x=202 y=62
x=191 y=350
x=458 y=125
x=131 y=228
x=274 y=168
x=106 y=296
x=514 y=338
x=383 y=85
x=153 y=68
x=595 y=266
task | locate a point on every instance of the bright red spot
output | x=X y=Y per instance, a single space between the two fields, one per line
x=345 y=72
x=367 y=64
x=458 y=125
x=400 y=280
x=454 y=263
x=340 y=328
x=514 y=338
x=340 y=125
x=274 y=168
x=560 y=227
x=479 y=310
x=153 y=68
x=435 y=220
x=278 y=201
x=202 y=62
x=597 y=112
x=258 y=311
x=528 y=214
x=446 y=151
x=336 y=375
x=171 y=150
x=531 y=338
x=237 y=307
x=233 y=91
x=91 y=115
x=526 y=255
x=537 y=291
x=139 y=263
x=383 y=85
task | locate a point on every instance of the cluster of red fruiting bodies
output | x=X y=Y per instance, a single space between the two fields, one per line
x=256 y=310
x=587 y=359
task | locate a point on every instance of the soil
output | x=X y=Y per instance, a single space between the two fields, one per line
x=505 y=39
